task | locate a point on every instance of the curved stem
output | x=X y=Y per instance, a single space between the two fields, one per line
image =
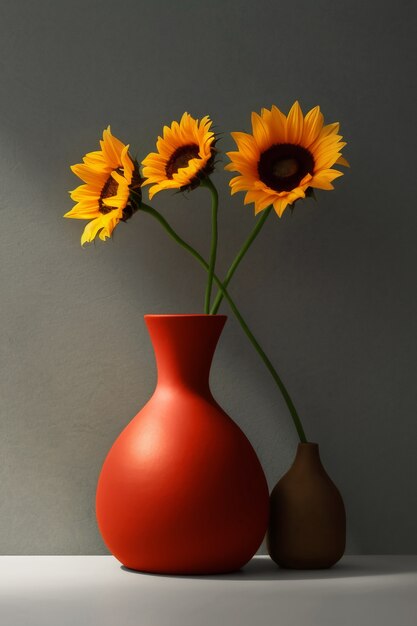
x=259 y=223
x=297 y=422
x=213 y=250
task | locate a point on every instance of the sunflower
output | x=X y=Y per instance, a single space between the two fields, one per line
x=109 y=174
x=285 y=157
x=185 y=156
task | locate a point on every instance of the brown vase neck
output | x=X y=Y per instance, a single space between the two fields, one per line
x=308 y=455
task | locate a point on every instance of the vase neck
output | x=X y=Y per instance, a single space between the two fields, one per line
x=184 y=346
x=308 y=456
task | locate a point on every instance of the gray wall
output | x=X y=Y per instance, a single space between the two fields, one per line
x=329 y=290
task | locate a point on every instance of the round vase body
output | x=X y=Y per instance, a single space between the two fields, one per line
x=182 y=490
x=307 y=527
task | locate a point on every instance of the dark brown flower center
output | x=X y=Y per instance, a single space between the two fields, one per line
x=109 y=190
x=180 y=158
x=283 y=166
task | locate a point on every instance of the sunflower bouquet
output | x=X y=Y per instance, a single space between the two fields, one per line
x=283 y=160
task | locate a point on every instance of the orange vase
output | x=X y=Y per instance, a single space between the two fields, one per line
x=182 y=490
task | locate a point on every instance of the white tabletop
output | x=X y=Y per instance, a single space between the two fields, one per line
x=97 y=591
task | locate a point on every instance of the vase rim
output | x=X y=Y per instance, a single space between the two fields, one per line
x=175 y=315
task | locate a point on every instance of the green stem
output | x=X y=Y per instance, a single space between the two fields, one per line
x=297 y=422
x=213 y=250
x=259 y=223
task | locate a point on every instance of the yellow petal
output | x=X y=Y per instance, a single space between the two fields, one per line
x=280 y=204
x=313 y=123
x=295 y=124
x=260 y=132
x=84 y=210
x=278 y=126
x=246 y=143
x=105 y=223
x=323 y=179
x=342 y=161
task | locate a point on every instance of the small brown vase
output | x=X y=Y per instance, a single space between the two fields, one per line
x=307 y=527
